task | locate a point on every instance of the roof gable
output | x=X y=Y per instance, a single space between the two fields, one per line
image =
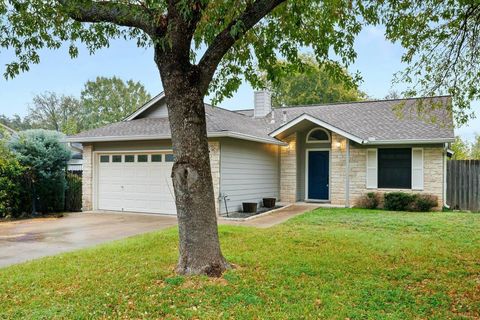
x=366 y=122
x=155 y=108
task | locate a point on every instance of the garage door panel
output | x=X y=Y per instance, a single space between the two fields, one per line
x=136 y=186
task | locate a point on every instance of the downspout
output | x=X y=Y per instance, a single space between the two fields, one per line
x=445 y=176
x=347 y=175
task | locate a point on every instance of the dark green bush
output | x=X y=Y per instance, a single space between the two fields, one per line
x=44 y=156
x=73 y=193
x=12 y=186
x=424 y=202
x=398 y=201
x=369 y=200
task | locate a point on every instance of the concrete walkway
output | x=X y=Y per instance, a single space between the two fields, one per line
x=275 y=218
x=25 y=240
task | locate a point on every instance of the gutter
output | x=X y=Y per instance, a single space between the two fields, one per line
x=223 y=134
x=408 y=141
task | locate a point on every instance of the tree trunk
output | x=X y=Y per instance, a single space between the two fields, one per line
x=199 y=247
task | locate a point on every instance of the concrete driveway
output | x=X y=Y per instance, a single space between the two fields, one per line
x=30 y=239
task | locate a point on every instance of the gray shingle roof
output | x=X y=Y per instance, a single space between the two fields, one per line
x=383 y=120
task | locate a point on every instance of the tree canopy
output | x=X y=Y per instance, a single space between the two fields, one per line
x=463 y=150
x=309 y=84
x=51 y=111
x=108 y=100
x=103 y=101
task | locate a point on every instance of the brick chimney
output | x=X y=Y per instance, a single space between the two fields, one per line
x=262 y=103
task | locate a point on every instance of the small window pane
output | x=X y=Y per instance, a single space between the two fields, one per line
x=116 y=158
x=130 y=158
x=318 y=135
x=104 y=158
x=169 y=157
x=142 y=158
x=156 y=158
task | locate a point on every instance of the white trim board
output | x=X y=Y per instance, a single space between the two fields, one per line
x=307 y=150
x=316 y=121
x=224 y=134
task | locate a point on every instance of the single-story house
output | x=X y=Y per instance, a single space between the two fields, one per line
x=330 y=153
x=76 y=162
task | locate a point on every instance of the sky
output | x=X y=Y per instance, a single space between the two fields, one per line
x=377 y=61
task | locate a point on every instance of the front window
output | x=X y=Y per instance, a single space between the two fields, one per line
x=395 y=168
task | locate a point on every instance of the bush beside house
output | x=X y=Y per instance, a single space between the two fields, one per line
x=33 y=177
x=398 y=201
x=12 y=195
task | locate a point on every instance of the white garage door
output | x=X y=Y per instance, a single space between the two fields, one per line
x=137 y=182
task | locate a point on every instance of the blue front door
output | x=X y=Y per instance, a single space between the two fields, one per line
x=318 y=175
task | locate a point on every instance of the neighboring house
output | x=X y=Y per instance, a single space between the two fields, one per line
x=76 y=162
x=327 y=153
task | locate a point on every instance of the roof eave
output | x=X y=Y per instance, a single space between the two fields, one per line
x=409 y=141
x=223 y=134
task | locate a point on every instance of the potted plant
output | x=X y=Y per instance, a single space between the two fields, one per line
x=249 y=207
x=269 y=202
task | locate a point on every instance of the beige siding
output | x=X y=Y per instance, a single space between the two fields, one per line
x=214 y=148
x=159 y=110
x=248 y=172
x=288 y=169
x=87 y=178
x=338 y=169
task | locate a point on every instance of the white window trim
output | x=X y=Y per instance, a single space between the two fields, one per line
x=422 y=168
x=372 y=167
x=318 y=141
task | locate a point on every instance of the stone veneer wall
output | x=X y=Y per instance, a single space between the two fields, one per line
x=338 y=169
x=87 y=177
x=432 y=174
x=214 y=148
x=288 y=170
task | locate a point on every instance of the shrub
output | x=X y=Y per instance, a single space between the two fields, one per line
x=369 y=200
x=44 y=155
x=73 y=194
x=12 y=186
x=398 y=201
x=424 y=202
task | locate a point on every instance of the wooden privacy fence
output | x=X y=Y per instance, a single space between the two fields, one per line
x=463 y=184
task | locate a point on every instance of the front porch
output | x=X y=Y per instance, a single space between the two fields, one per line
x=313 y=166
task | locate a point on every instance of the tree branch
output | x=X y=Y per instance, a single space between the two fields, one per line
x=126 y=15
x=225 y=39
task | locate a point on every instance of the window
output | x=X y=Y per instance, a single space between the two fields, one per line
x=318 y=135
x=116 y=158
x=395 y=168
x=169 y=157
x=156 y=158
x=130 y=158
x=142 y=158
x=104 y=159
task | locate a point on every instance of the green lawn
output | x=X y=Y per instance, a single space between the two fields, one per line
x=330 y=263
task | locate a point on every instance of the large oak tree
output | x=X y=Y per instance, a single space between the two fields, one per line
x=204 y=46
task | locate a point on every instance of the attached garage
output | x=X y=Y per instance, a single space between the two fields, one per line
x=135 y=182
